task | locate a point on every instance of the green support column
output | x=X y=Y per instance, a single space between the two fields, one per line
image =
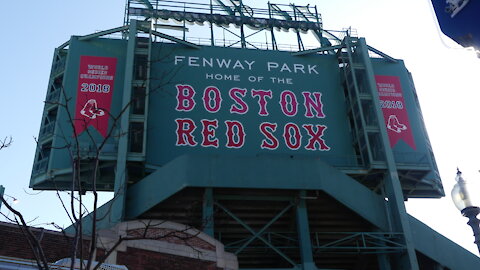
x=383 y=259
x=383 y=262
x=2 y=190
x=208 y=224
x=118 y=208
x=393 y=189
x=212 y=40
x=303 y=231
x=242 y=28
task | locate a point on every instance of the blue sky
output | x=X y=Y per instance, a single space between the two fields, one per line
x=446 y=79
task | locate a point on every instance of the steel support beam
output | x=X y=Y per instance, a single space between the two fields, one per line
x=242 y=27
x=393 y=188
x=264 y=228
x=391 y=59
x=207 y=213
x=147 y=4
x=313 y=51
x=260 y=232
x=383 y=262
x=254 y=198
x=303 y=230
x=2 y=191
x=65 y=44
x=212 y=40
x=226 y=8
x=103 y=33
x=120 y=186
x=276 y=172
x=168 y=37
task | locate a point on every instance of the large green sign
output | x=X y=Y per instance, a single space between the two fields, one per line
x=247 y=102
x=226 y=101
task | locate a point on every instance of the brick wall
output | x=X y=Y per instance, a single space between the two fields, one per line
x=56 y=246
x=172 y=236
x=13 y=243
x=138 y=259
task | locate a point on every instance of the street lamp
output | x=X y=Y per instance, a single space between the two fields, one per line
x=464 y=202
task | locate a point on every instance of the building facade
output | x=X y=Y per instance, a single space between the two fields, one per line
x=291 y=157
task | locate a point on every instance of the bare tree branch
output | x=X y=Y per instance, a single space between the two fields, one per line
x=32 y=240
x=6 y=142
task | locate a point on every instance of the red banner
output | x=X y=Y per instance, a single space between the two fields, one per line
x=394 y=110
x=94 y=93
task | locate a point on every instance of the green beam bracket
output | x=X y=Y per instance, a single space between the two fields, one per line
x=323 y=49
x=208 y=220
x=65 y=44
x=297 y=11
x=147 y=4
x=254 y=198
x=2 y=191
x=303 y=231
x=383 y=261
x=280 y=172
x=391 y=59
x=330 y=35
x=441 y=249
x=226 y=8
x=392 y=182
x=276 y=172
x=361 y=242
x=243 y=172
x=280 y=12
x=120 y=187
x=168 y=37
x=103 y=33
x=258 y=234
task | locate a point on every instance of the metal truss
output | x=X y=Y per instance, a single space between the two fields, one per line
x=358 y=242
x=302 y=20
x=238 y=246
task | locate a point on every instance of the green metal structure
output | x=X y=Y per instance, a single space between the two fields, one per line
x=2 y=191
x=274 y=210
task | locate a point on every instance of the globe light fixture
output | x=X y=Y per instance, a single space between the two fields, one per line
x=467 y=205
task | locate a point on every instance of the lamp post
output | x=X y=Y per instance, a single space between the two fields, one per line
x=464 y=202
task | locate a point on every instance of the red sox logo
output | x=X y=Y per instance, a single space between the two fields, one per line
x=91 y=110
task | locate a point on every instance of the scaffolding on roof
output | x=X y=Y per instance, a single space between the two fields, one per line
x=303 y=21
